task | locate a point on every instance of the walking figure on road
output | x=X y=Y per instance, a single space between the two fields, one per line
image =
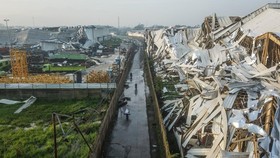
x=135 y=86
x=127 y=113
x=130 y=76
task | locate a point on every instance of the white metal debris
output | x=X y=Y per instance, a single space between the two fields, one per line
x=27 y=103
x=9 y=102
x=232 y=107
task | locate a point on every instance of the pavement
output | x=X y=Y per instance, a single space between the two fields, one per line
x=130 y=138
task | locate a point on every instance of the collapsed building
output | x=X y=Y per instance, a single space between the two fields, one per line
x=228 y=79
x=52 y=39
x=41 y=43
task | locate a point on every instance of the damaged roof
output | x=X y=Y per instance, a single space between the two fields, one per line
x=266 y=21
x=230 y=102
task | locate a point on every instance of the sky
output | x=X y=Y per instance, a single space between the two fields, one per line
x=130 y=12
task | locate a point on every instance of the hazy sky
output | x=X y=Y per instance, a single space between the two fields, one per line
x=131 y=12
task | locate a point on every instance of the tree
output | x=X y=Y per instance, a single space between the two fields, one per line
x=139 y=27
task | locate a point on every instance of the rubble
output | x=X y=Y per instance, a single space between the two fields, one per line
x=228 y=71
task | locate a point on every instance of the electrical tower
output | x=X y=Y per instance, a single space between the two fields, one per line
x=19 y=63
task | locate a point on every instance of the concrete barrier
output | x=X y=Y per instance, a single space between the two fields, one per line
x=163 y=137
x=54 y=91
x=50 y=94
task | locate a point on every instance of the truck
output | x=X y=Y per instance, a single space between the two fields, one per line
x=62 y=68
x=5 y=64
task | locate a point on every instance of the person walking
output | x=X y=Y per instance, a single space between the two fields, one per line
x=127 y=113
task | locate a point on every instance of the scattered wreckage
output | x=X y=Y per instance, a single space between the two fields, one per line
x=231 y=87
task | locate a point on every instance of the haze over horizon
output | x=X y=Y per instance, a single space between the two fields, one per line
x=131 y=12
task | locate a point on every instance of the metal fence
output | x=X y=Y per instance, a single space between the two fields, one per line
x=5 y=86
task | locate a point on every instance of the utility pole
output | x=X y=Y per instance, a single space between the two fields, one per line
x=118 y=22
x=10 y=43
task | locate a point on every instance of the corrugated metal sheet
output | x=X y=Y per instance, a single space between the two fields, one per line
x=267 y=21
x=211 y=108
x=229 y=100
x=224 y=21
x=242 y=85
x=277 y=33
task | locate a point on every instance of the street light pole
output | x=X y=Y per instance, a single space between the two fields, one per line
x=6 y=20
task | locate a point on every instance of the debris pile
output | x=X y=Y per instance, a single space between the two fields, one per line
x=230 y=103
x=98 y=77
x=42 y=78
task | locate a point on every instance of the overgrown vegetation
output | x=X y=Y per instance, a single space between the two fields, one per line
x=30 y=133
x=170 y=94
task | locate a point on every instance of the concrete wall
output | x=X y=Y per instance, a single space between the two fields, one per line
x=50 y=94
x=163 y=142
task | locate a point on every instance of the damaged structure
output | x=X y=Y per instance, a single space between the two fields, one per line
x=228 y=82
x=56 y=49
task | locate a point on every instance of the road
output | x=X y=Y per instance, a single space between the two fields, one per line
x=130 y=138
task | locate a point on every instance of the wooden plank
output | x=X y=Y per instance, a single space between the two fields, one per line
x=263 y=36
x=273 y=38
x=224 y=127
x=265 y=50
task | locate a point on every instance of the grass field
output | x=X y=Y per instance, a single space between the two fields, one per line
x=30 y=133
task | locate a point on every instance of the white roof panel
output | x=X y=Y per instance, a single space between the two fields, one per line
x=267 y=21
x=224 y=21
x=277 y=33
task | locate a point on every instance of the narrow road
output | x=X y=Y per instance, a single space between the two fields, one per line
x=130 y=138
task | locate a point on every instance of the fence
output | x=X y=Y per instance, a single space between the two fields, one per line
x=105 y=126
x=5 y=86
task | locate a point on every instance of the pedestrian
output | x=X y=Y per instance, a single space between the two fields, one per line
x=127 y=113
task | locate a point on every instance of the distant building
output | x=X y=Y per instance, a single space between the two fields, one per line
x=51 y=45
x=136 y=33
x=94 y=35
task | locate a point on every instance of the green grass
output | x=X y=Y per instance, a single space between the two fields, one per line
x=18 y=141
